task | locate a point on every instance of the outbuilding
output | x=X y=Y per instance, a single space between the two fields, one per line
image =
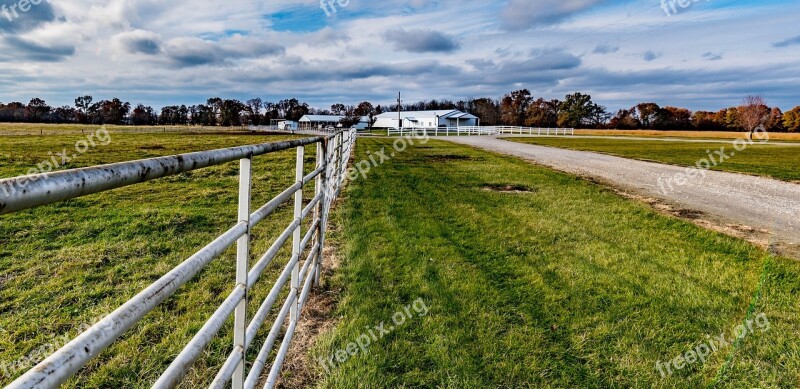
x=315 y=122
x=426 y=119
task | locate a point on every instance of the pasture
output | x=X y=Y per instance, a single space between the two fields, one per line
x=530 y=277
x=13 y=129
x=538 y=278
x=66 y=265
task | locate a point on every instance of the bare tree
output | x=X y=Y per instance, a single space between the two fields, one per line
x=753 y=113
x=352 y=116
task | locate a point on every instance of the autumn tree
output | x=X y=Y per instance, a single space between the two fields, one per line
x=647 y=114
x=543 y=113
x=577 y=109
x=143 y=116
x=705 y=120
x=674 y=118
x=487 y=110
x=791 y=120
x=775 y=121
x=753 y=113
x=514 y=107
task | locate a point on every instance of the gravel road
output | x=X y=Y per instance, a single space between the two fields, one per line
x=727 y=199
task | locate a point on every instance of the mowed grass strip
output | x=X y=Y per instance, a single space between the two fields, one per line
x=551 y=282
x=775 y=161
x=776 y=136
x=66 y=265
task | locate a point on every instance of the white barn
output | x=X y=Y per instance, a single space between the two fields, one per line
x=322 y=121
x=427 y=119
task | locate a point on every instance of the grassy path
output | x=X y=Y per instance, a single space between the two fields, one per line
x=780 y=162
x=565 y=286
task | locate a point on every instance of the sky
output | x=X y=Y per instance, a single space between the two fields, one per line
x=704 y=56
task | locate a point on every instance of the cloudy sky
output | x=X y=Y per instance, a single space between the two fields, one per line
x=705 y=56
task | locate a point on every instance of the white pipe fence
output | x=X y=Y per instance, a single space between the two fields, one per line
x=333 y=154
x=479 y=130
x=304 y=130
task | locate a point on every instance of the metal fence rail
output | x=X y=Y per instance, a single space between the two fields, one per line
x=479 y=130
x=302 y=130
x=333 y=154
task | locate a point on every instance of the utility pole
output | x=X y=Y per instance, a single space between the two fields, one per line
x=399 y=117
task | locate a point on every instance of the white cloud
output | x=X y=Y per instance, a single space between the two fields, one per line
x=184 y=51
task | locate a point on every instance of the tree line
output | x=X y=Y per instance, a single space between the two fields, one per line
x=577 y=110
x=517 y=108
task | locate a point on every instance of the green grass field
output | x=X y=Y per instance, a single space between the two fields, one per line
x=774 y=161
x=69 y=264
x=13 y=129
x=567 y=285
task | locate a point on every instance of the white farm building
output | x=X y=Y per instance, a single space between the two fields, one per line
x=309 y=122
x=427 y=119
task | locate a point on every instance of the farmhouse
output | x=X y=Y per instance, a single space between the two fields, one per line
x=427 y=119
x=323 y=121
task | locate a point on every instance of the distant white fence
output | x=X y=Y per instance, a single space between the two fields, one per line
x=332 y=156
x=316 y=131
x=483 y=130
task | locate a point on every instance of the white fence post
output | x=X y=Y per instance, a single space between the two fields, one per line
x=242 y=259
x=296 y=239
x=319 y=212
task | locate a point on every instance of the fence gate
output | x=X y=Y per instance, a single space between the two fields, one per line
x=302 y=271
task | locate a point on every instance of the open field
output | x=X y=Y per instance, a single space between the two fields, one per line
x=551 y=281
x=687 y=134
x=11 y=129
x=780 y=162
x=567 y=285
x=69 y=264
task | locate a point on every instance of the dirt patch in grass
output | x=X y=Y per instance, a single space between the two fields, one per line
x=508 y=188
x=688 y=214
x=317 y=319
x=760 y=237
x=449 y=157
x=152 y=147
